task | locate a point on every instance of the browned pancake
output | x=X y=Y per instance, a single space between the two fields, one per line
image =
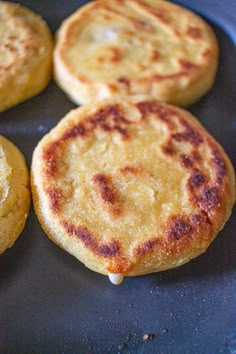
x=131 y=186
x=14 y=193
x=130 y=47
x=25 y=54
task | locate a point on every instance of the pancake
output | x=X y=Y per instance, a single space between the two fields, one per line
x=14 y=193
x=131 y=186
x=25 y=54
x=130 y=47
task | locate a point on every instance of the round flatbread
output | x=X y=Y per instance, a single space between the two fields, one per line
x=131 y=186
x=14 y=193
x=25 y=54
x=128 y=47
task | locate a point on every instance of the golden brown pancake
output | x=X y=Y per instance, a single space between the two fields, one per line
x=14 y=193
x=25 y=54
x=129 y=47
x=131 y=186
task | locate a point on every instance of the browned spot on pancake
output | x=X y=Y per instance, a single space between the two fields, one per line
x=196 y=180
x=177 y=32
x=87 y=238
x=147 y=107
x=118 y=265
x=10 y=47
x=159 y=13
x=77 y=130
x=112 y=111
x=197 y=219
x=190 y=134
x=201 y=219
x=207 y=53
x=139 y=24
x=168 y=148
x=205 y=194
x=140 y=66
x=122 y=131
x=49 y=153
x=107 y=193
x=105 y=188
x=155 y=55
x=186 y=160
x=180 y=227
x=161 y=112
x=70 y=31
x=27 y=46
x=113 y=55
x=131 y=170
x=195 y=156
x=113 y=88
x=186 y=68
x=27 y=43
x=106 y=16
x=219 y=165
x=187 y=65
x=5 y=68
x=146 y=247
x=161 y=77
x=124 y=81
x=12 y=38
x=194 y=32
x=111 y=249
x=109 y=119
x=49 y=158
x=209 y=199
x=54 y=195
x=82 y=79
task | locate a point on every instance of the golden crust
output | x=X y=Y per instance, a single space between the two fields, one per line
x=14 y=193
x=131 y=186
x=25 y=54
x=131 y=47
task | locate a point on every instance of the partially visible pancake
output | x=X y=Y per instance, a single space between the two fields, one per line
x=131 y=186
x=14 y=193
x=25 y=54
x=152 y=47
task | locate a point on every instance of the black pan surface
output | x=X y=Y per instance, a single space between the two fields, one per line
x=50 y=303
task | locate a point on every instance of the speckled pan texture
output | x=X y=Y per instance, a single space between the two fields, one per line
x=51 y=303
